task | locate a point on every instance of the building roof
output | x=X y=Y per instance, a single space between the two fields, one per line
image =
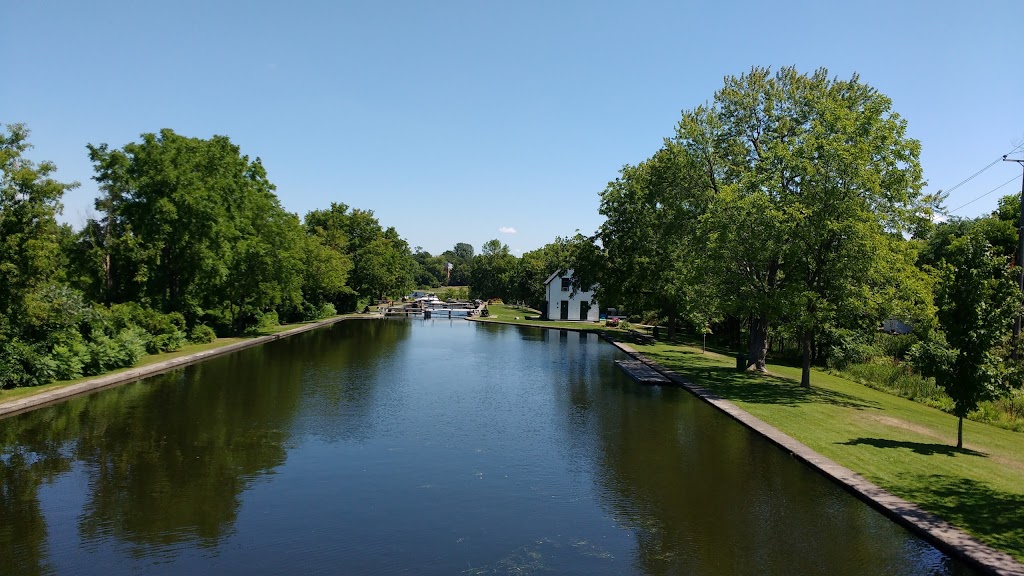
x=552 y=277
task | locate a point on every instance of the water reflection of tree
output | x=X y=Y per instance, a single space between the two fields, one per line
x=173 y=469
x=703 y=496
x=339 y=396
x=22 y=525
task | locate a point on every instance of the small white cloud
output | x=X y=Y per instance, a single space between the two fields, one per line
x=507 y=230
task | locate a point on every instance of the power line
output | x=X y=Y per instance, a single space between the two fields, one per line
x=973 y=176
x=986 y=193
x=976 y=174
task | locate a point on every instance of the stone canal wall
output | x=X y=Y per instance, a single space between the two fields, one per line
x=938 y=532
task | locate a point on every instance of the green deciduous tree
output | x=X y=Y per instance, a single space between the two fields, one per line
x=494 y=272
x=977 y=301
x=382 y=261
x=30 y=237
x=814 y=181
x=193 y=226
x=652 y=240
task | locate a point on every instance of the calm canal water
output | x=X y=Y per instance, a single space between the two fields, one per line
x=420 y=447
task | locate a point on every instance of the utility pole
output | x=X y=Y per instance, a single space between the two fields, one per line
x=1020 y=258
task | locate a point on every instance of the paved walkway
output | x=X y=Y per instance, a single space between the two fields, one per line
x=935 y=530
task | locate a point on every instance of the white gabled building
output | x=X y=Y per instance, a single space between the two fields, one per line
x=561 y=304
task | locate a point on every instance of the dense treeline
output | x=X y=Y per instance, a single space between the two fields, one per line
x=788 y=214
x=189 y=242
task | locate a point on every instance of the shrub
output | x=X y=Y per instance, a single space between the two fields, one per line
x=70 y=360
x=326 y=310
x=896 y=378
x=109 y=353
x=849 y=348
x=202 y=334
x=263 y=321
x=895 y=345
x=25 y=365
x=165 y=342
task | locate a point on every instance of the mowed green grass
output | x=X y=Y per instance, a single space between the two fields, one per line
x=518 y=315
x=904 y=447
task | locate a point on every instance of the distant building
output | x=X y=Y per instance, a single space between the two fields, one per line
x=561 y=304
x=894 y=326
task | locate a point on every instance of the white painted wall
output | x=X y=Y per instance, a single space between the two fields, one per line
x=555 y=296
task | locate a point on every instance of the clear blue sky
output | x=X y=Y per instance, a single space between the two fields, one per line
x=452 y=120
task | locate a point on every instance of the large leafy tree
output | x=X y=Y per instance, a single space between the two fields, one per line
x=30 y=237
x=193 y=226
x=652 y=240
x=814 y=182
x=37 y=309
x=977 y=301
x=461 y=258
x=494 y=272
x=382 y=261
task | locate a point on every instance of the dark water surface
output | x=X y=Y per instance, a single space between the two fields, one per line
x=420 y=447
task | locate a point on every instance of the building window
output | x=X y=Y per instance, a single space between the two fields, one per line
x=565 y=284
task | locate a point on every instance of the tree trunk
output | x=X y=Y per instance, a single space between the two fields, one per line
x=805 y=372
x=960 y=433
x=671 y=325
x=758 y=348
x=108 y=278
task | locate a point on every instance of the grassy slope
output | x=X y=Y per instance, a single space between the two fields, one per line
x=16 y=393
x=902 y=446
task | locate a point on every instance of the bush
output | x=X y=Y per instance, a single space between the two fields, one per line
x=895 y=345
x=70 y=360
x=202 y=334
x=264 y=321
x=165 y=342
x=849 y=348
x=110 y=353
x=897 y=378
x=326 y=310
x=25 y=365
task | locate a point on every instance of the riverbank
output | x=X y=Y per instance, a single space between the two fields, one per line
x=904 y=448
x=20 y=400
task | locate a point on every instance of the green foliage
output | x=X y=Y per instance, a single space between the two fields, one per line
x=895 y=346
x=121 y=350
x=494 y=272
x=264 y=322
x=201 y=334
x=977 y=300
x=70 y=360
x=30 y=237
x=191 y=226
x=849 y=347
x=381 y=262
x=899 y=379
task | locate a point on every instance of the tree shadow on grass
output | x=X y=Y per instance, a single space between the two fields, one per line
x=917 y=447
x=994 y=516
x=749 y=387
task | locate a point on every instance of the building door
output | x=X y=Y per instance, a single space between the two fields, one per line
x=564 y=315
x=584 y=309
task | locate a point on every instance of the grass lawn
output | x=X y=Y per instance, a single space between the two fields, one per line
x=904 y=447
x=16 y=393
x=530 y=317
